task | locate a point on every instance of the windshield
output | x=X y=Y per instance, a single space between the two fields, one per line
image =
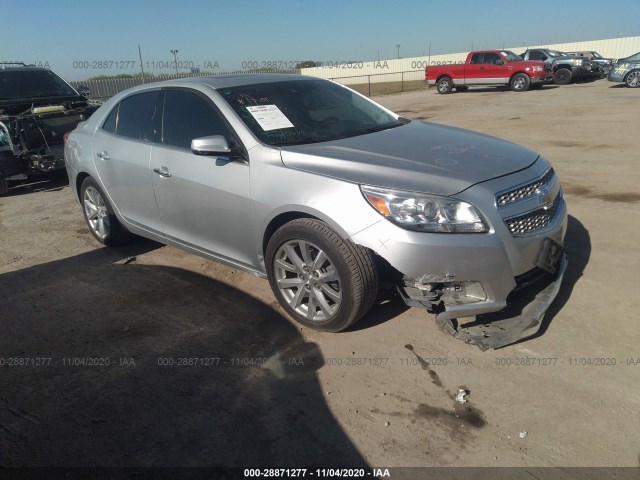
x=305 y=111
x=21 y=84
x=633 y=58
x=510 y=56
x=597 y=55
x=555 y=53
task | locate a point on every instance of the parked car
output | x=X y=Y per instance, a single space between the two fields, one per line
x=566 y=68
x=488 y=67
x=598 y=63
x=626 y=70
x=325 y=193
x=37 y=108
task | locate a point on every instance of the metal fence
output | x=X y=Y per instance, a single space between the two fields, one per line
x=383 y=82
x=101 y=89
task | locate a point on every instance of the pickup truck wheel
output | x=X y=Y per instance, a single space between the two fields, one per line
x=98 y=213
x=4 y=187
x=633 y=79
x=562 y=76
x=324 y=282
x=520 y=82
x=445 y=85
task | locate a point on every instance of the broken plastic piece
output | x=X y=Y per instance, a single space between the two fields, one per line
x=462 y=392
x=523 y=434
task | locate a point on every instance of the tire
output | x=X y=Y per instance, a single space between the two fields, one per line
x=444 y=85
x=310 y=265
x=4 y=187
x=461 y=88
x=99 y=215
x=632 y=80
x=520 y=82
x=562 y=76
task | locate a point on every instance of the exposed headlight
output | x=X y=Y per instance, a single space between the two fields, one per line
x=425 y=213
x=577 y=62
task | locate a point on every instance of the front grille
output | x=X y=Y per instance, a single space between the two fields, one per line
x=525 y=191
x=533 y=221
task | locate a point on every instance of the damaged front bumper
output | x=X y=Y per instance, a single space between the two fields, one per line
x=521 y=318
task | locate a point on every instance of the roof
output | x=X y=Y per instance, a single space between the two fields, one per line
x=23 y=68
x=225 y=81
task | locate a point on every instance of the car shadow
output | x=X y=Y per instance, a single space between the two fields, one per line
x=122 y=364
x=501 y=89
x=387 y=306
x=45 y=182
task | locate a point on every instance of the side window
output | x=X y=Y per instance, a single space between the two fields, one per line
x=475 y=59
x=187 y=116
x=537 y=55
x=491 y=58
x=138 y=116
x=110 y=123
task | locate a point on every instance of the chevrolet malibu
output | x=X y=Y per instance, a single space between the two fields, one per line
x=329 y=196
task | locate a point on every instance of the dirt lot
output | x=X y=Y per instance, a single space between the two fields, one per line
x=379 y=394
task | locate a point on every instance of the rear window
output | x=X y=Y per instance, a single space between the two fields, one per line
x=138 y=117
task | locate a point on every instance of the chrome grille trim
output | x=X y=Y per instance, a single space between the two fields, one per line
x=534 y=221
x=523 y=192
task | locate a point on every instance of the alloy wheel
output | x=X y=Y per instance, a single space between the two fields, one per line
x=96 y=212
x=307 y=279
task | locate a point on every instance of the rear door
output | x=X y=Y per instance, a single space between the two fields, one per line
x=203 y=200
x=121 y=154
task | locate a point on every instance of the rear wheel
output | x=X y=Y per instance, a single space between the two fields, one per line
x=98 y=213
x=520 y=82
x=4 y=187
x=445 y=85
x=562 y=76
x=323 y=281
x=633 y=79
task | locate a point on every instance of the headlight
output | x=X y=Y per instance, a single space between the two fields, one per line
x=577 y=62
x=425 y=213
x=539 y=68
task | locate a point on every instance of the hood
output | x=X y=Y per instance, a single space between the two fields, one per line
x=419 y=156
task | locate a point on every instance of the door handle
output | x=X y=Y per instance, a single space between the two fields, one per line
x=163 y=172
x=481 y=68
x=103 y=155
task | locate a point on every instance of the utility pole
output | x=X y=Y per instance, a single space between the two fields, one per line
x=175 y=59
x=141 y=66
x=398 y=47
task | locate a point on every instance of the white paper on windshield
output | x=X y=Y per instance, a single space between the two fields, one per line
x=269 y=117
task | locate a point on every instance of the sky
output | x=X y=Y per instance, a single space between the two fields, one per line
x=78 y=39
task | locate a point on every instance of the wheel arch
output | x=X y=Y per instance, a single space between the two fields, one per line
x=287 y=216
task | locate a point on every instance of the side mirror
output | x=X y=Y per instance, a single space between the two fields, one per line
x=499 y=62
x=215 y=146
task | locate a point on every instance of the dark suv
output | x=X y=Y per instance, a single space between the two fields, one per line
x=37 y=108
x=566 y=68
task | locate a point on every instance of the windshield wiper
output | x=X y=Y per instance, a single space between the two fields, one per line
x=300 y=141
x=383 y=127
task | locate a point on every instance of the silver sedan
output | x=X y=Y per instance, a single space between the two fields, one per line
x=327 y=194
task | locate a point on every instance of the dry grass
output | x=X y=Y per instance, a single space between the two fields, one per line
x=389 y=87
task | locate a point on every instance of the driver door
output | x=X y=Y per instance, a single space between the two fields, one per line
x=203 y=200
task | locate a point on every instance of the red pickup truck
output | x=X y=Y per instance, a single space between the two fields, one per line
x=489 y=67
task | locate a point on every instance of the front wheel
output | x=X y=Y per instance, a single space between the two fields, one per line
x=520 y=82
x=633 y=79
x=562 y=76
x=445 y=85
x=323 y=281
x=99 y=215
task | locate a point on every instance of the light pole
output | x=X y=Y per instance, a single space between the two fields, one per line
x=175 y=59
x=398 y=47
